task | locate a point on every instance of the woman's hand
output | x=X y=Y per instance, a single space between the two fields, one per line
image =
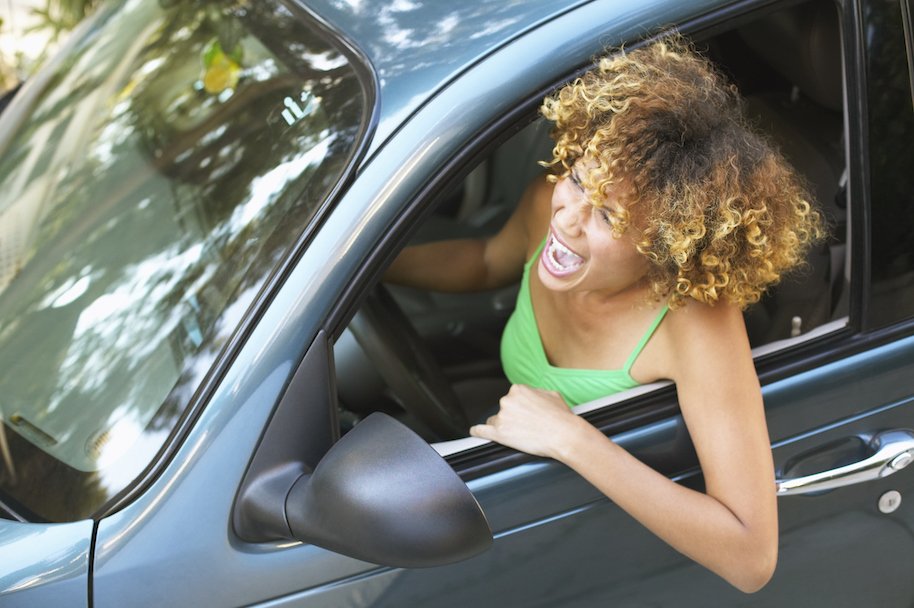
x=531 y=420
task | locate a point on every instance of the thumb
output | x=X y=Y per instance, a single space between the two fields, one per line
x=483 y=431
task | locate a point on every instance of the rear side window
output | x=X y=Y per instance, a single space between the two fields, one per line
x=908 y=22
x=150 y=180
x=891 y=156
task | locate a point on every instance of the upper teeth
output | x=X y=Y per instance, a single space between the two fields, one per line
x=557 y=249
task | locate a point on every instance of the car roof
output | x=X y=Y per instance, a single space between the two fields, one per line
x=417 y=46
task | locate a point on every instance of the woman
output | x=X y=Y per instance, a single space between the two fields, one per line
x=665 y=216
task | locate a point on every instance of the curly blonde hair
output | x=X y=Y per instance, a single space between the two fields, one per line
x=720 y=213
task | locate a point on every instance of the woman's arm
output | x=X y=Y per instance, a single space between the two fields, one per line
x=732 y=528
x=475 y=264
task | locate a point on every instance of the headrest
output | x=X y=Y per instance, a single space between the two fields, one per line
x=803 y=44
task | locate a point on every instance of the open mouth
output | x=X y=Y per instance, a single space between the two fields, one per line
x=558 y=259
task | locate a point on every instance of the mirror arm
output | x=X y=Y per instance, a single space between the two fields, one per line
x=302 y=429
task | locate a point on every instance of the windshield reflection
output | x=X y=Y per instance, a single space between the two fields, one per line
x=163 y=169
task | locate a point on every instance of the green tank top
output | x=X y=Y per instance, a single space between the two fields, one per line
x=524 y=359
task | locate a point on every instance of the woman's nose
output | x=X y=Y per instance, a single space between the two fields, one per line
x=570 y=217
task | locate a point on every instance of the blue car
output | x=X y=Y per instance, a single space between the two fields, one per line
x=210 y=398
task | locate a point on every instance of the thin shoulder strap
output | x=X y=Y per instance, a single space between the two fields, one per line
x=645 y=338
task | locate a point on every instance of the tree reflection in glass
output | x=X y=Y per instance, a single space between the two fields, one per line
x=150 y=180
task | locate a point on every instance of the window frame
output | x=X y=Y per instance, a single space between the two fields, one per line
x=655 y=402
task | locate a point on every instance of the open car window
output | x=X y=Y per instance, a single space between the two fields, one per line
x=792 y=94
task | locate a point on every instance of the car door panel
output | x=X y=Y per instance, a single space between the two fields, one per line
x=559 y=542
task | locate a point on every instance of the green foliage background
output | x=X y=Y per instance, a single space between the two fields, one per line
x=61 y=16
x=55 y=18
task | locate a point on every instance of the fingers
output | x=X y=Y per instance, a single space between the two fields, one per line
x=487 y=430
x=525 y=420
x=483 y=431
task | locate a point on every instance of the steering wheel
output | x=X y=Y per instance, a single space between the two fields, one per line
x=406 y=364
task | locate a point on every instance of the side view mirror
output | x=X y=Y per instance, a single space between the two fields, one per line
x=380 y=494
x=384 y=495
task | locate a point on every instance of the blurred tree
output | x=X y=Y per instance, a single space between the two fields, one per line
x=61 y=16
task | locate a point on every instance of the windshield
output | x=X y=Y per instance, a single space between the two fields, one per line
x=150 y=179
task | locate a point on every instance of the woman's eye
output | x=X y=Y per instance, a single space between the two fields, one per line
x=574 y=180
x=604 y=213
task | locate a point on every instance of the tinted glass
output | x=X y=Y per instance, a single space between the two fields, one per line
x=891 y=155
x=150 y=179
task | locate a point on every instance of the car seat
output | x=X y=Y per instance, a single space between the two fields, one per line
x=805 y=122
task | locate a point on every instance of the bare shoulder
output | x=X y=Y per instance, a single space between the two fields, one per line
x=700 y=338
x=695 y=320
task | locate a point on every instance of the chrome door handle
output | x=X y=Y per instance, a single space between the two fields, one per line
x=894 y=450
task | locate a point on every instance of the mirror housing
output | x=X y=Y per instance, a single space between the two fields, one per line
x=380 y=494
x=383 y=495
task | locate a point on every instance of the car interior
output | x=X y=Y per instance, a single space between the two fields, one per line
x=444 y=372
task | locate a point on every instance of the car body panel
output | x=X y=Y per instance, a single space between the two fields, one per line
x=207 y=469
x=44 y=564
x=174 y=545
x=544 y=514
x=558 y=541
x=393 y=36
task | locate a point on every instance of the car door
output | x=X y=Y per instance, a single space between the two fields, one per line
x=839 y=407
x=557 y=540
